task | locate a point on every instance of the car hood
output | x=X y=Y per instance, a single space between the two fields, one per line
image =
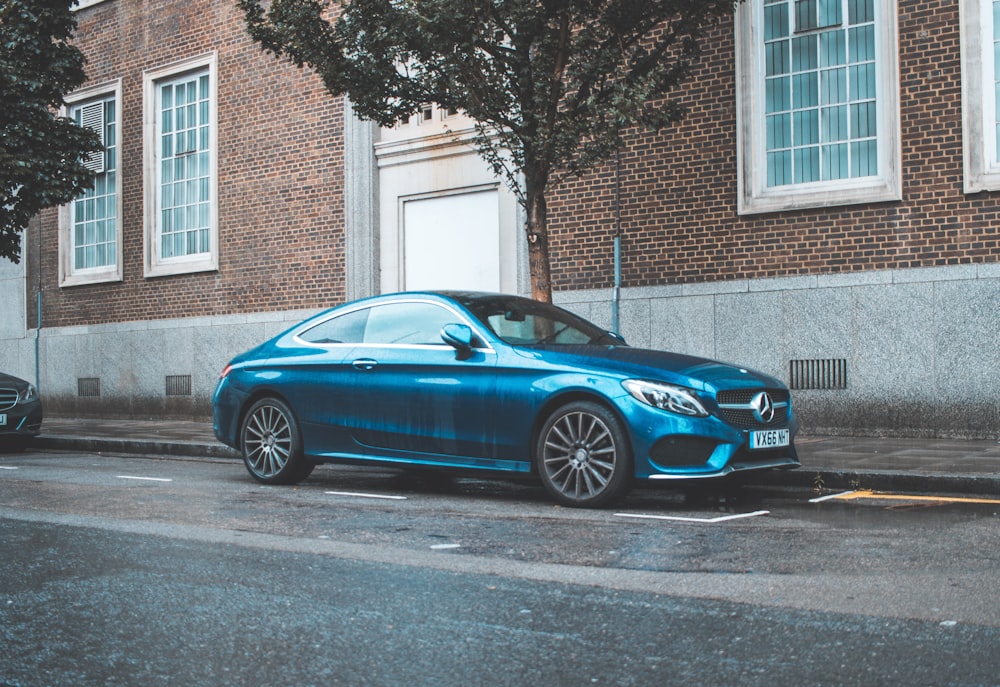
x=676 y=368
x=11 y=380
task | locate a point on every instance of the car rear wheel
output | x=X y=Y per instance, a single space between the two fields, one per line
x=583 y=456
x=271 y=444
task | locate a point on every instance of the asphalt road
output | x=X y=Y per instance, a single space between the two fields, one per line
x=137 y=571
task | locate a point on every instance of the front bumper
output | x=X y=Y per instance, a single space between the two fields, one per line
x=672 y=448
x=23 y=420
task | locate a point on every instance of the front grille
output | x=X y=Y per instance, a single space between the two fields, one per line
x=735 y=407
x=744 y=396
x=8 y=398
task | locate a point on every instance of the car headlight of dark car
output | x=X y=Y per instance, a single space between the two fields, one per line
x=28 y=395
x=675 y=399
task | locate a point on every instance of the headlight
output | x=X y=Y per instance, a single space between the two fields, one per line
x=29 y=394
x=675 y=399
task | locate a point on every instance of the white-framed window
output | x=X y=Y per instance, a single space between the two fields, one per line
x=817 y=103
x=980 y=37
x=90 y=249
x=181 y=226
x=81 y=4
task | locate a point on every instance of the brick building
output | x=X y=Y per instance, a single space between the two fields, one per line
x=828 y=213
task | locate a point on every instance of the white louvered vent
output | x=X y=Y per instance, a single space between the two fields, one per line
x=92 y=117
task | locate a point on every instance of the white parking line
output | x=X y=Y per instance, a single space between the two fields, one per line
x=710 y=521
x=145 y=479
x=366 y=496
x=8 y=467
x=830 y=497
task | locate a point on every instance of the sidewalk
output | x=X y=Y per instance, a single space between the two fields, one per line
x=914 y=465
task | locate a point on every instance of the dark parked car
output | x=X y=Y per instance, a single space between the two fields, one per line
x=20 y=409
x=477 y=381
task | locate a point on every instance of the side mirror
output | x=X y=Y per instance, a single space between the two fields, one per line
x=458 y=336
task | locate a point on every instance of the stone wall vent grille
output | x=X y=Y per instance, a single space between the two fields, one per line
x=88 y=387
x=825 y=374
x=178 y=385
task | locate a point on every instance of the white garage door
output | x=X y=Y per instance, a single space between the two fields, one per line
x=452 y=242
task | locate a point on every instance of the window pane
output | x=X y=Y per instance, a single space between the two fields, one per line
x=863 y=120
x=779 y=168
x=862 y=43
x=777 y=56
x=349 y=328
x=832 y=48
x=779 y=131
x=816 y=14
x=806 y=127
x=806 y=15
x=779 y=94
x=862 y=80
x=807 y=165
x=775 y=22
x=834 y=123
x=864 y=159
x=835 y=164
x=834 y=86
x=860 y=11
x=805 y=53
x=805 y=90
x=407 y=323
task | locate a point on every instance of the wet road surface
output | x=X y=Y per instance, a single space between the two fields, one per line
x=139 y=571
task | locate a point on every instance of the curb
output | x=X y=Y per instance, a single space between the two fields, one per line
x=139 y=446
x=881 y=480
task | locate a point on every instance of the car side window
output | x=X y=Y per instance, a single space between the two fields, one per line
x=407 y=323
x=346 y=328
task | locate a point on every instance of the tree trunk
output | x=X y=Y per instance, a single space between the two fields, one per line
x=537 y=231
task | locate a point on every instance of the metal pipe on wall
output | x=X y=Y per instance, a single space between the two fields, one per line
x=617 y=289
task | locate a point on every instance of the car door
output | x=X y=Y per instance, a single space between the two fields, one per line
x=317 y=378
x=417 y=398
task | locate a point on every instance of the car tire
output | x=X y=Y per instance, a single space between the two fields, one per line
x=272 y=445
x=583 y=456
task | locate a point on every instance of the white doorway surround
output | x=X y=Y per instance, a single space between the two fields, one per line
x=445 y=220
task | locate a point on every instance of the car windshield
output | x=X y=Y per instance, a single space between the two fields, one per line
x=524 y=322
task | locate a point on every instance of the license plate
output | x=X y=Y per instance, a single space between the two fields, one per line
x=769 y=438
x=3 y=419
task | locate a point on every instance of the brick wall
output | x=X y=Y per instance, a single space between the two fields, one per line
x=679 y=219
x=280 y=179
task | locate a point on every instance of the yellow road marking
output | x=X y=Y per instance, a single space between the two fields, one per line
x=885 y=496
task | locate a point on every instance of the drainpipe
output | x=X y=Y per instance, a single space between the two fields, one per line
x=38 y=301
x=616 y=291
x=38 y=334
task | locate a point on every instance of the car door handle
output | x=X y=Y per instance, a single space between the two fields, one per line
x=365 y=364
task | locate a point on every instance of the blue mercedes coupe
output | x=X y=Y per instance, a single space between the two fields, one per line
x=490 y=382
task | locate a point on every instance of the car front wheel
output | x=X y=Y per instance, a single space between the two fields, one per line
x=583 y=456
x=271 y=444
